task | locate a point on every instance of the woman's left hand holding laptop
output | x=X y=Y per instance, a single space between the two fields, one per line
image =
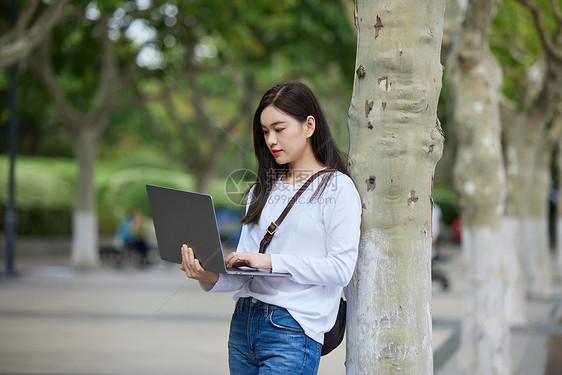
x=193 y=269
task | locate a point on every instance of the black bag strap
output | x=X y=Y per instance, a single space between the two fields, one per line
x=275 y=224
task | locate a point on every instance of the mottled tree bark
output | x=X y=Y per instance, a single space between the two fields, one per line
x=475 y=83
x=395 y=143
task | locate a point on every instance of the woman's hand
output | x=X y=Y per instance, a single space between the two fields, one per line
x=193 y=269
x=254 y=260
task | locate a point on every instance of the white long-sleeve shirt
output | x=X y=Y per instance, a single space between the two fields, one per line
x=317 y=244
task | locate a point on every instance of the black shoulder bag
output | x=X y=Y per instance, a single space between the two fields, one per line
x=333 y=337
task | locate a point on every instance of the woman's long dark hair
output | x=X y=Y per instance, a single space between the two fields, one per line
x=298 y=101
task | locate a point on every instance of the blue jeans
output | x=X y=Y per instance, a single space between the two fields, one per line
x=265 y=339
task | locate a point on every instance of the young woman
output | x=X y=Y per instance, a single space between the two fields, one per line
x=279 y=323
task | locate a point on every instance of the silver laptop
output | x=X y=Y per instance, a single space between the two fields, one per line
x=184 y=217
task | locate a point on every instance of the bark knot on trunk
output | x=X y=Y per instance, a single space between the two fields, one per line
x=361 y=72
x=413 y=197
x=378 y=27
x=371 y=183
x=368 y=107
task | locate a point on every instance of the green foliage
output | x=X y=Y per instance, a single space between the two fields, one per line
x=267 y=41
x=233 y=62
x=76 y=58
x=515 y=43
x=303 y=33
x=5 y=15
x=39 y=132
x=447 y=199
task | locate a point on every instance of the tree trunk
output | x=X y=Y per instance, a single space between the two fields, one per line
x=475 y=84
x=455 y=13
x=203 y=180
x=519 y=161
x=539 y=264
x=559 y=210
x=539 y=112
x=395 y=143
x=85 y=222
x=539 y=272
x=524 y=132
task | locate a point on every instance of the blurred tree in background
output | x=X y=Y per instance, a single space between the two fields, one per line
x=502 y=172
x=182 y=77
x=475 y=83
x=530 y=59
x=201 y=101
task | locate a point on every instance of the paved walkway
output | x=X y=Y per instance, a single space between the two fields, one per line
x=54 y=320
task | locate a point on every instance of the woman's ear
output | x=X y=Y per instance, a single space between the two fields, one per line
x=309 y=126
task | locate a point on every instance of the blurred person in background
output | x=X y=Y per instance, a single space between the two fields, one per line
x=130 y=234
x=436 y=223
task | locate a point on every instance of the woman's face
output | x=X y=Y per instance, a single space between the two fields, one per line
x=286 y=137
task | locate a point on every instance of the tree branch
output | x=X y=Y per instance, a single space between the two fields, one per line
x=547 y=44
x=149 y=118
x=23 y=21
x=43 y=67
x=21 y=24
x=182 y=129
x=475 y=31
x=543 y=105
x=17 y=45
x=206 y=122
x=508 y=111
x=109 y=81
x=554 y=133
x=556 y=11
x=248 y=86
